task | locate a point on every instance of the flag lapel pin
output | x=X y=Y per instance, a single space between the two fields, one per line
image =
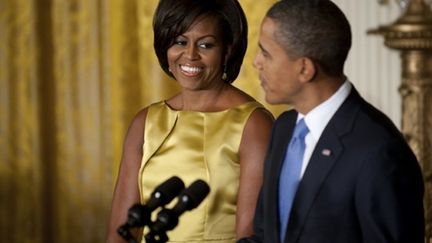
x=326 y=152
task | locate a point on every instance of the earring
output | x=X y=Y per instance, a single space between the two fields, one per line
x=224 y=74
x=169 y=69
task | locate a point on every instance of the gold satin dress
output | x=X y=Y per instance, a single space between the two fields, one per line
x=196 y=145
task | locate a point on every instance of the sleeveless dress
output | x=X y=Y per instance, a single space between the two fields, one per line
x=196 y=145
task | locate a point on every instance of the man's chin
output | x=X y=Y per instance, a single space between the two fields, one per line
x=269 y=100
x=273 y=101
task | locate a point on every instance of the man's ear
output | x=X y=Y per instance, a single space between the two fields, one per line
x=308 y=69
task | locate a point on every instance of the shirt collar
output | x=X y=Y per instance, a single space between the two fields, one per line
x=318 y=118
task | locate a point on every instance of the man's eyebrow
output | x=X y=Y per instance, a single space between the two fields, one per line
x=262 y=48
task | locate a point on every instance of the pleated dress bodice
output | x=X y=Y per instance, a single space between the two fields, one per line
x=196 y=145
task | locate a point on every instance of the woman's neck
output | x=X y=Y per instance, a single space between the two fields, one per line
x=203 y=100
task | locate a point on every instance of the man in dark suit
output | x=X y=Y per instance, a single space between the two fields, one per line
x=358 y=180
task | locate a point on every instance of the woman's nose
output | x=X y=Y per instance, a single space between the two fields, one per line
x=192 y=52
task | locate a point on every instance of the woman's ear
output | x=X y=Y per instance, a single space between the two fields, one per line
x=227 y=54
x=308 y=70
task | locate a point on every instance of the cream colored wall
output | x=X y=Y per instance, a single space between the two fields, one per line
x=373 y=68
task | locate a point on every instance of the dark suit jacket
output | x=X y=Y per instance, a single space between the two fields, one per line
x=369 y=188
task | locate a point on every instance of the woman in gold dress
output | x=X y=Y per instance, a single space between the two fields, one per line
x=210 y=130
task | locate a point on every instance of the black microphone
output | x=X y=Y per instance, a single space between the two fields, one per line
x=164 y=193
x=190 y=198
x=140 y=215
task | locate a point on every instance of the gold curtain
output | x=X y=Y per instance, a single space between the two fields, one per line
x=72 y=75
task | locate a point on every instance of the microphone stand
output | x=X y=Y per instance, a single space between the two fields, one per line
x=124 y=232
x=151 y=237
x=156 y=237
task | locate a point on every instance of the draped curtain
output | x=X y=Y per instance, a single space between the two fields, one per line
x=73 y=73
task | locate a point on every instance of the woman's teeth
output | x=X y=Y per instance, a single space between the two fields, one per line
x=191 y=70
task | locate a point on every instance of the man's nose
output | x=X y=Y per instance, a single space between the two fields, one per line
x=256 y=62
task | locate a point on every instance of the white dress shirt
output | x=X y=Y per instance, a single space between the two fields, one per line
x=318 y=118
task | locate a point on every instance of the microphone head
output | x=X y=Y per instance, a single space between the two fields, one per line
x=136 y=216
x=192 y=196
x=165 y=192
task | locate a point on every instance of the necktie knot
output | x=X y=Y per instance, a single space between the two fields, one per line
x=301 y=130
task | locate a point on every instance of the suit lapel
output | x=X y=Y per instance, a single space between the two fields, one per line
x=325 y=155
x=317 y=170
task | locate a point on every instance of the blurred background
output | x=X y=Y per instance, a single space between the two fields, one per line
x=73 y=73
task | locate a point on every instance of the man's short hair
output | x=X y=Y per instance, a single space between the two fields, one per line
x=316 y=29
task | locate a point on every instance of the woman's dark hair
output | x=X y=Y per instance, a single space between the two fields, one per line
x=174 y=17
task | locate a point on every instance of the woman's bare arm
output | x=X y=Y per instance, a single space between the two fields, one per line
x=253 y=149
x=126 y=191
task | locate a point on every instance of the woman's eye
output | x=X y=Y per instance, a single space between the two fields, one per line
x=205 y=45
x=180 y=42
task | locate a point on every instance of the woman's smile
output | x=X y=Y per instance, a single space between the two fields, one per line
x=190 y=70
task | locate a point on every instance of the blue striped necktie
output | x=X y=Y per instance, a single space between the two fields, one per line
x=290 y=174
